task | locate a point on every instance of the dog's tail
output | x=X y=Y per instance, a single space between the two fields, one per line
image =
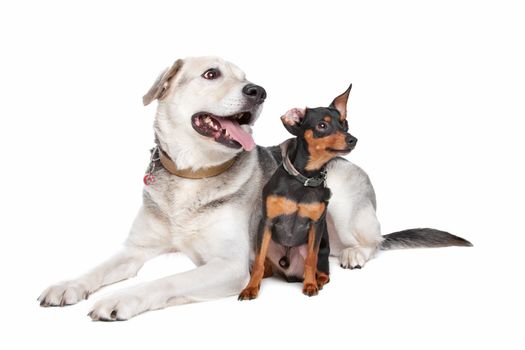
x=422 y=238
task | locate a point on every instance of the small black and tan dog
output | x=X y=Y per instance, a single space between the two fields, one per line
x=296 y=196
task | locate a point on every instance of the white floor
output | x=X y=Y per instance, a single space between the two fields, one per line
x=435 y=299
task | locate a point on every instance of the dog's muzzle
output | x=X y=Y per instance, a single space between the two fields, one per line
x=255 y=93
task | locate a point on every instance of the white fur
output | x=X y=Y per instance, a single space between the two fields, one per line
x=219 y=241
x=354 y=231
x=220 y=97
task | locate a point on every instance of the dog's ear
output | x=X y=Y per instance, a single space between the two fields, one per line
x=162 y=84
x=292 y=120
x=340 y=101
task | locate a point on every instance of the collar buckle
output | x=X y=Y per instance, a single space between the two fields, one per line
x=316 y=181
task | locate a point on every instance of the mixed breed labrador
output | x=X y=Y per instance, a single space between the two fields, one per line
x=213 y=194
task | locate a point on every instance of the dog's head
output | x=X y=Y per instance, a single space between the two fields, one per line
x=206 y=108
x=325 y=130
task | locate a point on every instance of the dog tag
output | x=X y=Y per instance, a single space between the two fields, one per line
x=149 y=179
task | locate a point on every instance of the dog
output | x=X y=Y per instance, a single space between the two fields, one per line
x=207 y=205
x=296 y=197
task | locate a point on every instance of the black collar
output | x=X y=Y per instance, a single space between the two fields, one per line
x=290 y=169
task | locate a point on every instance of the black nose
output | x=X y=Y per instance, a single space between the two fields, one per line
x=255 y=93
x=350 y=140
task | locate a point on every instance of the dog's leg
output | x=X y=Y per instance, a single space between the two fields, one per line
x=123 y=265
x=252 y=289
x=139 y=248
x=268 y=269
x=310 y=287
x=363 y=242
x=221 y=249
x=323 y=265
x=219 y=277
x=353 y=228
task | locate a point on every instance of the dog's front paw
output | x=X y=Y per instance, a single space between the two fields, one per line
x=355 y=257
x=120 y=307
x=249 y=293
x=63 y=294
x=310 y=289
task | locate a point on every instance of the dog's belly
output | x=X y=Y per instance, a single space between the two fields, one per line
x=296 y=255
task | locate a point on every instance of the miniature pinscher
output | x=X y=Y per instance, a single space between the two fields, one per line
x=296 y=197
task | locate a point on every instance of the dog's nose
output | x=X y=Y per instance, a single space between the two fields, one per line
x=350 y=140
x=254 y=92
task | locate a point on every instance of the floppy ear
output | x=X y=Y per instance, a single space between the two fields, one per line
x=292 y=119
x=162 y=84
x=340 y=101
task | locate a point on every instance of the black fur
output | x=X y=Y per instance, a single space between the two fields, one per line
x=422 y=238
x=292 y=230
x=411 y=238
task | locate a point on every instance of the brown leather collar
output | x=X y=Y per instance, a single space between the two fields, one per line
x=202 y=173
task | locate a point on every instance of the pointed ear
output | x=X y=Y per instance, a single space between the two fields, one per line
x=292 y=120
x=162 y=84
x=340 y=101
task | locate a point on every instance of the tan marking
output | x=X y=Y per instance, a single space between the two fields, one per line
x=277 y=205
x=317 y=147
x=312 y=210
x=322 y=279
x=252 y=288
x=327 y=118
x=268 y=268
x=310 y=264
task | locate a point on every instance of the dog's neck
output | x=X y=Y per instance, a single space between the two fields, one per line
x=299 y=157
x=192 y=158
x=182 y=149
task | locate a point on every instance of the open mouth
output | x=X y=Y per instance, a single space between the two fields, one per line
x=226 y=130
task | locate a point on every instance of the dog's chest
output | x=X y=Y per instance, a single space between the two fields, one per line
x=180 y=200
x=189 y=207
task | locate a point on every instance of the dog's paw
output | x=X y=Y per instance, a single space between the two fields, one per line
x=322 y=279
x=355 y=257
x=119 y=307
x=249 y=293
x=310 y=289
x=63 y=294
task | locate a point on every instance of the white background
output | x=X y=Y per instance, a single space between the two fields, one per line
x=437 y=105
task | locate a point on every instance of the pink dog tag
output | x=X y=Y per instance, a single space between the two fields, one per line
x=149 y=179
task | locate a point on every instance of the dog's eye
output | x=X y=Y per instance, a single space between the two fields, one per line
x=345 y=125
x=211 y=74
x=322 y=126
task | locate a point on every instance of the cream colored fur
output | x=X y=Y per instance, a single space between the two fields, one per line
x=175 y=217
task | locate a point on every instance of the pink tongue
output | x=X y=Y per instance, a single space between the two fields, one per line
x=238 y=134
